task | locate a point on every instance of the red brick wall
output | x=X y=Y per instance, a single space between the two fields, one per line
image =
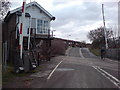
x=11 y=34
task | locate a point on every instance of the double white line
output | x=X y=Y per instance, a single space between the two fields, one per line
x=114 y=80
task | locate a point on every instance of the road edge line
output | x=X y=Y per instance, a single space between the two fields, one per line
x=112 y=60
x=81 y=53
x=96 y=68
x=109 y=75
x=54 y=69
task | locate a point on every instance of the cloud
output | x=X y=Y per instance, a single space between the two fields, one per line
x=78 y=17
x=77 y=14
x=15 y=4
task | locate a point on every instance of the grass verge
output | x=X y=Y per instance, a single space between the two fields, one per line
x=95 y=51
x=9 y=74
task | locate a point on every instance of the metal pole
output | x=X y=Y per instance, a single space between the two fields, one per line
x=29 y=33
x=106 y=44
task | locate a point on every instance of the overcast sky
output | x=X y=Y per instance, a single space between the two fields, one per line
x=75 y=18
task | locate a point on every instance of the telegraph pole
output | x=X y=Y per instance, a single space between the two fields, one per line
x=106 y=44
x=118 y=20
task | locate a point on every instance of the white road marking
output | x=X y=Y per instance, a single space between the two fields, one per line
x=109 y=68
x=113 y=61
x=83 y=56
x=54 y=69
x=81 y=53
x=109 y=74
x=108 y=77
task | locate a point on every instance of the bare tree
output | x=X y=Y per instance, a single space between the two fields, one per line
x=97 y=36
x=4 y=8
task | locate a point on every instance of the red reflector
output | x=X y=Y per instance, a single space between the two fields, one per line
x=21 y=28
x=23 y=6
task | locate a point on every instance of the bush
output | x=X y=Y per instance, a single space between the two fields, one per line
x=58 y=47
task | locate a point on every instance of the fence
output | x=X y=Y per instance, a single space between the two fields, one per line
x=113 y=53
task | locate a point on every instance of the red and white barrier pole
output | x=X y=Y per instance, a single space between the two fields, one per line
x=29 y=31
x=29 y=34
x=22 y=28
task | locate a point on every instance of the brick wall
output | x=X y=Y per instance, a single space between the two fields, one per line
x=9 y=35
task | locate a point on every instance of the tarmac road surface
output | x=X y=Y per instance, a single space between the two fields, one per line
x=87 y=72
x=79 y=69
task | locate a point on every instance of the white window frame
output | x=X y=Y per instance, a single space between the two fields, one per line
x=44 y=29
x=37 y=26
x=45 y=26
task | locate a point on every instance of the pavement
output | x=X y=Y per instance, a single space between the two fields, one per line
x=31 y=79
x=78 y=69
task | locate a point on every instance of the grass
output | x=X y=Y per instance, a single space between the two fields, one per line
x=9 y=74
x=95 y=51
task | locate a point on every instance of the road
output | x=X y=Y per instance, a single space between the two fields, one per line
x=82 y=69
x=78 y=69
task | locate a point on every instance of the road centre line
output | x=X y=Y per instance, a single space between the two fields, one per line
x=104 y=72
x=54 y=69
